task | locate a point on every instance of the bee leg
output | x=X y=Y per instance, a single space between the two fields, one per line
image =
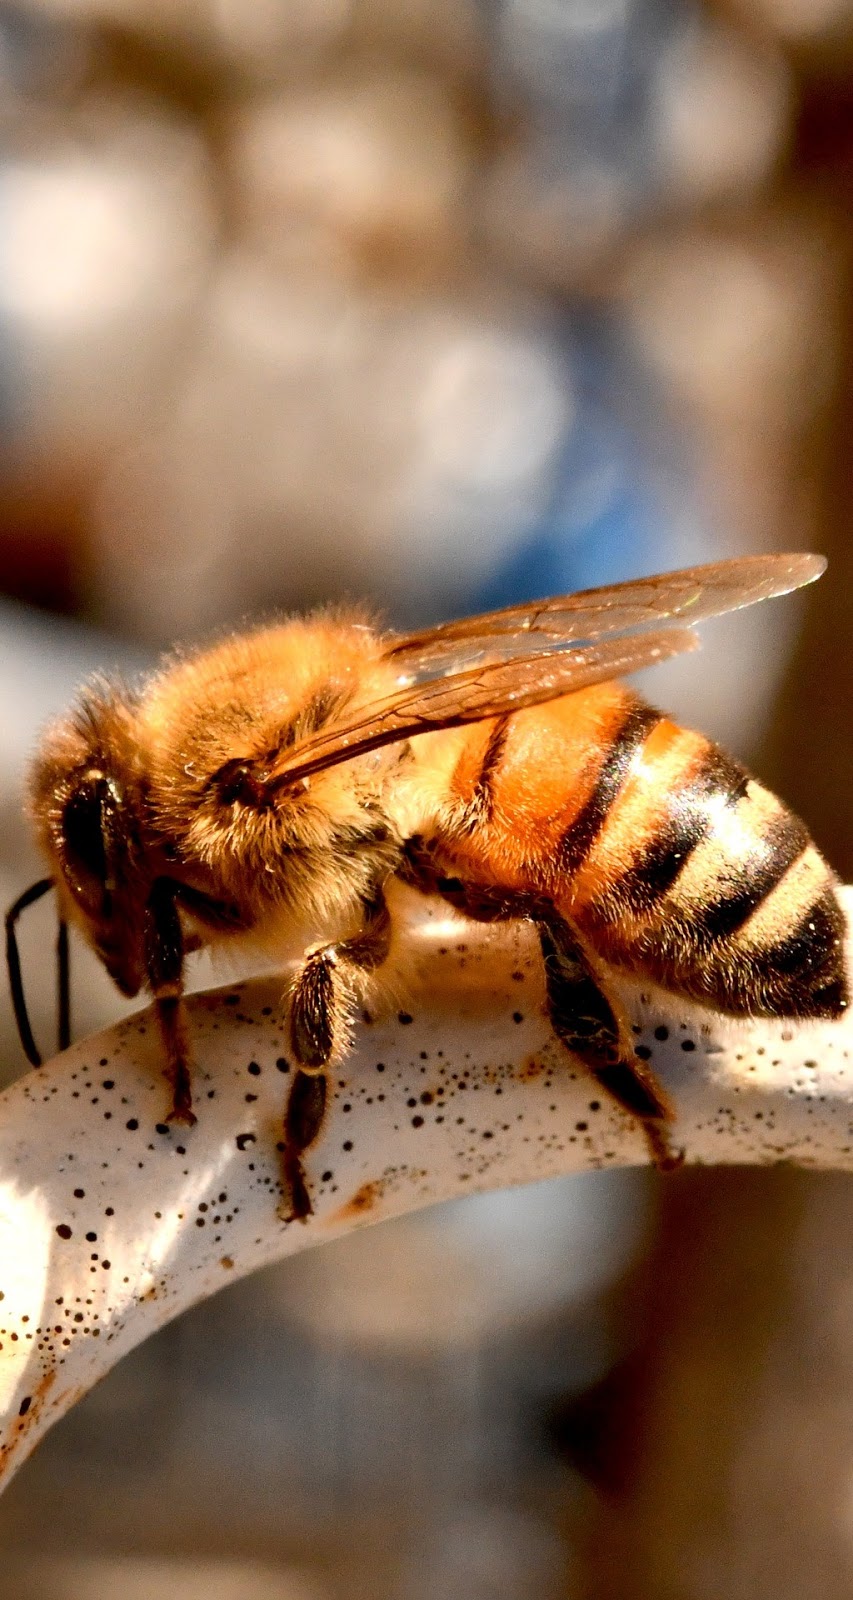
x=320 y=1005
x=303 y=1119
x=164 y=964
x=585 y=1021
x=581 y=1013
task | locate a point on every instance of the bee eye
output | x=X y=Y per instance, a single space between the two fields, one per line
x=83 y=836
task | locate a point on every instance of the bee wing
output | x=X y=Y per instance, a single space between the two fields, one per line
x=685 y=597
x=502 y=661
x=450 y=699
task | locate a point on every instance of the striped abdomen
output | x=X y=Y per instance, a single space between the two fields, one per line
x=662 y=849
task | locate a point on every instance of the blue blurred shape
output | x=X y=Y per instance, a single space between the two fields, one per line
x=609 y=514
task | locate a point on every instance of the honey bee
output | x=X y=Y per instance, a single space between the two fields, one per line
x=273 y=786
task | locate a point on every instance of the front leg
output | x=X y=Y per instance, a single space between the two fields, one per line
x=164 y=964
x=321 y=1004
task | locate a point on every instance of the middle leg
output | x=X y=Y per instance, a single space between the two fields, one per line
x=321 y=1004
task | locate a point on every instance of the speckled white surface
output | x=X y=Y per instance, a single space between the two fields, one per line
x=111 y=1222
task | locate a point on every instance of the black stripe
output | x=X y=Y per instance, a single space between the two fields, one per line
x=830 y=998
x=580 y=836
x=814 y=943
x=689 y=821
x=801 y=975
x=481 y=805
x=804 y=972
x=784 y=841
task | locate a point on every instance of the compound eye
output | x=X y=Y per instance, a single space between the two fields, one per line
x=83 y=839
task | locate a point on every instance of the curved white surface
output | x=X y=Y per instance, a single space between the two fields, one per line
x=111 y=1223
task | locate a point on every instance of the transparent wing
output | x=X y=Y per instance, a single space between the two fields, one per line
x=490 y=690
x=685 y=597
x=502 y=661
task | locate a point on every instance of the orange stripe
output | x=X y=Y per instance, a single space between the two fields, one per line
x=548 y=769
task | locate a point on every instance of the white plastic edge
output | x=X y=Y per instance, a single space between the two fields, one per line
x=111 y=1224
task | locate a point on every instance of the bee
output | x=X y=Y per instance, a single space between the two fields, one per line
x=272 y=788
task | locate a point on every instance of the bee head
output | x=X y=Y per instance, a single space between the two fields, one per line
x=85 y=803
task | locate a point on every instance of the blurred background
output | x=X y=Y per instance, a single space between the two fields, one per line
x=443 y=303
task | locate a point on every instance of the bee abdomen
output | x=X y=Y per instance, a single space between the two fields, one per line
x=662 y=849
x=700 y=877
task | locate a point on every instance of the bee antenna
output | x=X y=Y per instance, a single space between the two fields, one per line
x=63 y=979
x=13 y=963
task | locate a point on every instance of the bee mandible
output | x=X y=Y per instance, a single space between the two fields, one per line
x=272 y=787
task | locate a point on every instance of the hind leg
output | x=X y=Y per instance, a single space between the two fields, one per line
x=583 y=1016
x=587 y=1023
